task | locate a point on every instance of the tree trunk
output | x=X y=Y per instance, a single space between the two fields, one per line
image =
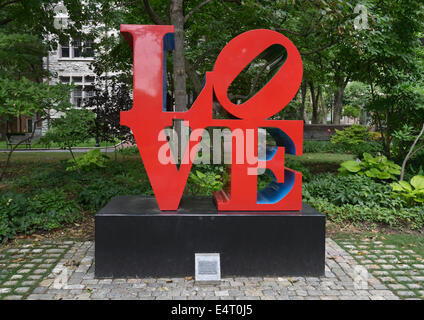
x=303 y=89
x=323 y=108
x=338 y=100
x=177 y=19
x=315 y=106
x=75 y=160
x=179 y=69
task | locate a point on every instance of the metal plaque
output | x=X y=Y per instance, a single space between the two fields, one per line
x=207 y=267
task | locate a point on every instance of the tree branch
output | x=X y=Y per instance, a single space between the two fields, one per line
x=152 y=14
x=410 y=153
x=8 y=3
x=254 y=83
x=5 y=21
x=292 y=32
x=319 y=49
x=188 y=15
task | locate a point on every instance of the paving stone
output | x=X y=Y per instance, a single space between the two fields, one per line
x=12 y=297
x=406 y=293
x=396 y=286
x=22 y=290
x=5 y=290
x=339 y=282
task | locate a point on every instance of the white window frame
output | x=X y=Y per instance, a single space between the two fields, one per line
x=72 y=51
x=83 y=84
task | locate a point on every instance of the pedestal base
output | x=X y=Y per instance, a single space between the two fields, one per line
x=135 y=239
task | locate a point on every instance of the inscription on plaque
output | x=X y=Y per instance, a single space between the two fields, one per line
x=207 y=267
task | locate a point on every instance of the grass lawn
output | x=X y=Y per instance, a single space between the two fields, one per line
x=35 y=145
x=32 y=157
x=413 y=241
x=319 y=158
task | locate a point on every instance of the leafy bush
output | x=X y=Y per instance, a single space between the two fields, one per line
x=412 y=218
x=356 y=139
x=129 y=151
x=90 y=160
x=328 y=147
x=46 y=210
x=357 y=199
x=355 y=134
x=205 y=179
x=374 y=167
x=310 y=146
x=100 y=190
x=412 y=192
x=298 y=166
x=351 y=189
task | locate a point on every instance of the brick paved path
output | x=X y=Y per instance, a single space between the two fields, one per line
x=69 y=274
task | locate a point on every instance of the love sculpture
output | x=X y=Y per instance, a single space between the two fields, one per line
x=148 y=118
x=243 y=232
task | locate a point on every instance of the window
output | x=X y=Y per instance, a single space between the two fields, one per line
x=65 y=79
x=89 y=79
x=84 y=88
x=88 y=49
x=77 y=49
x=64 y=51
x=89 y=91
x=29 y=125
x=77 y=79
x=77 y=96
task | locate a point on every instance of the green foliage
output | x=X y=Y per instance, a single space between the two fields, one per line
x=129 y=151
x=353 y=135
x=378 y=167
x=204 y=180
x=351 y=112
x=413 y=192
x=298 y=166
x=91 y=160
x=412 y=218
x=72 y=128
x=46 y=210
x=355 y=139
x=328 y=147
x=25 y=97
x=356 y=96
x=352 y=189
x=358 y=199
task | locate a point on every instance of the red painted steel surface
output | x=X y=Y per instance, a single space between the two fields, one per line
x=147 y=118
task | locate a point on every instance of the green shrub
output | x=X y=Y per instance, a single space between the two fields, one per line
x=378 y=167
x=205 y=179
x=310 y=146
x=298 y=166
x=46 y=210
x=100 y=190
x=328 y=147
x=129 y=151
x=357 y=214
x=413 y=192
x=356 y=139
x=352 y=190
x=355 y=134
x=88 y=161
x=357 y=199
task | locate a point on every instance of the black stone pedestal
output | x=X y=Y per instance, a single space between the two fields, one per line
x=134 y=239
